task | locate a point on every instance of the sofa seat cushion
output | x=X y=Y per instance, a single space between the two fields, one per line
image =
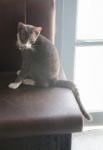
x=29 y=111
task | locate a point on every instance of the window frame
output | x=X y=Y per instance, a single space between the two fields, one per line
x=66 y=11
x=97 y=115
x=66 y=14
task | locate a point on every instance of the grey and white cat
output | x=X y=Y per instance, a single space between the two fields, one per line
x=40 y=63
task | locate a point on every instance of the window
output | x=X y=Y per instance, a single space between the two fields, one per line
x=81 y=50
x=89 y=54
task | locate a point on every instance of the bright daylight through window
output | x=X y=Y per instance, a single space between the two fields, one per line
x=89 y=53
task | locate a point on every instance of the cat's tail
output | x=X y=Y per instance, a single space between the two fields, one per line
x=70 y=85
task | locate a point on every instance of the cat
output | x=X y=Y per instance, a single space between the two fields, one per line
x=40 y=63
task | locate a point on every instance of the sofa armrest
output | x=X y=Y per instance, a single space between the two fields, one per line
x=29 y=111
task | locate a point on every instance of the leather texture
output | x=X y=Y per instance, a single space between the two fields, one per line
x=30 y=111
x=47 y=142
x=11 y=12
x=42 y=13
x=35 y=12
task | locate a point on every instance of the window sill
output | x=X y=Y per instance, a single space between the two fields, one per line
x=96 y=123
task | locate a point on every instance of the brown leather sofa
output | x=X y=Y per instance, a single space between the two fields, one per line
x=32 y=118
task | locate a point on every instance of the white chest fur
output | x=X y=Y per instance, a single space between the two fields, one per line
x=21 y=45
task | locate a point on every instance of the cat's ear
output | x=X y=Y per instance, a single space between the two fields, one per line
x=21 y=25
x=37 y=30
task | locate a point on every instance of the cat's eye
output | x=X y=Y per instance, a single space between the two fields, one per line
x=23 y=36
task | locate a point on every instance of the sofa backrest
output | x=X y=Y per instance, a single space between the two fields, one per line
x=35 y=12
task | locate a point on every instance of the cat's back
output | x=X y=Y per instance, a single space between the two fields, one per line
x=46 y=50
x=45 y=43
x=42 y=39
x=46 y=58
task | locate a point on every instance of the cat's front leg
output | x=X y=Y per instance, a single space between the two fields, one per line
x=18 y=81
x=21 y=74
x=18 y=72
x=14 y=85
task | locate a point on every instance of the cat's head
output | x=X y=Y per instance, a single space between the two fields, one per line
x=27 y=35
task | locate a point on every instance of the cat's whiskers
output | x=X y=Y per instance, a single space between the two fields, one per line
x=36 y=45
x=27 y=45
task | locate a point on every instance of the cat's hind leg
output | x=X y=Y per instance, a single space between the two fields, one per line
x=29 y=82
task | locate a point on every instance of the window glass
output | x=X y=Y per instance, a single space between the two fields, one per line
x=89 y=76
x=90 y=19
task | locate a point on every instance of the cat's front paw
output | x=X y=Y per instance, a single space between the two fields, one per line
x=14 y=85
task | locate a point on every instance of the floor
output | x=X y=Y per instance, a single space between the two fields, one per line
x=88 y=140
